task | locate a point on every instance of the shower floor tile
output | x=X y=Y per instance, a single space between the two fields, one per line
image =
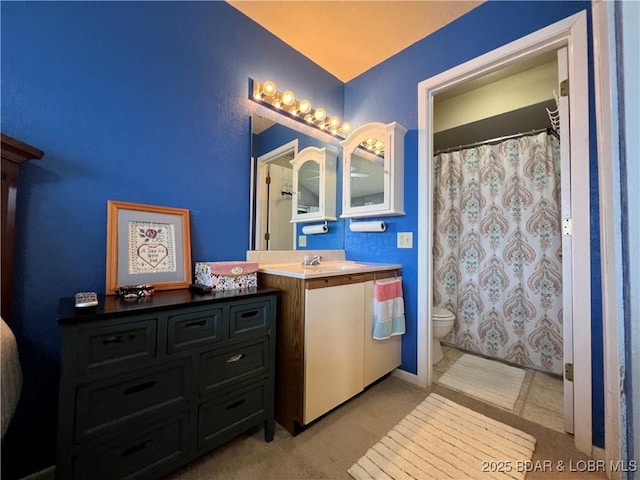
x=541 y=396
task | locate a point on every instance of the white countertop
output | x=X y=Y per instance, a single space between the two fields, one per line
x=325 y=269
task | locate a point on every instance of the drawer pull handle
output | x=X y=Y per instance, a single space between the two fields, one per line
x=136 y=448
x=139 y=388
x=235 y=404
x=117 y=339
x=250 y=314
x=200 y=323
x=235 y=358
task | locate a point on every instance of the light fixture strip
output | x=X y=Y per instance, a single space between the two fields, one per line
x=373 y=145
x=302 y=110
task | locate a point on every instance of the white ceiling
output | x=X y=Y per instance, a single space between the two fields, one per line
x=348 y=37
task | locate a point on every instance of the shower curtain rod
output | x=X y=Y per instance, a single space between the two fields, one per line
x=495 y=140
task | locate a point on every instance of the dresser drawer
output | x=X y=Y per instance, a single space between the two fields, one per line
x=249 y=320
x=102 y=348
x=224 y=417
x=220 y=368
x=192 y=329
x=139 y=452
x=105 y=404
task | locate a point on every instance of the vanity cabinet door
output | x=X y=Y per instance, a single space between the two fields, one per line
x=373 y=172
x=380 y=356
x=333 y=354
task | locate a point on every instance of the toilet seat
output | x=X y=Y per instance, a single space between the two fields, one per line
x=440 y=313
x=442 y=321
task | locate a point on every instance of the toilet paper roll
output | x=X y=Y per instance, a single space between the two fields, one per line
x=314 y=229
x=372 y=226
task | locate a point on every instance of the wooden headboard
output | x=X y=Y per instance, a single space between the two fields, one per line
x=14 y=153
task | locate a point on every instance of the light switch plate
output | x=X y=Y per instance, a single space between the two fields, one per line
x=405 y=239
x=302 y=241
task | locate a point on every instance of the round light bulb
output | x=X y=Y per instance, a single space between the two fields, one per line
x=370 y=141
x=345 y=127
x=288 y=98
x=320 y=114
x=305 y=106
x=269 y=88
x=334 y=122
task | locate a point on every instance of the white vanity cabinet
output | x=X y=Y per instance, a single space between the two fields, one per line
x=326 y=352
x=373 y=173
x=314 y=185
x=334 y=351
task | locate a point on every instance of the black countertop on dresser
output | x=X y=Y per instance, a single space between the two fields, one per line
x=110 y=306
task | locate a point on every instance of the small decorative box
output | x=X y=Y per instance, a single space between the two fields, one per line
x=135 y=291
x=226 y=275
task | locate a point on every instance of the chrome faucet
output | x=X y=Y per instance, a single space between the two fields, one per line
x=309 y=260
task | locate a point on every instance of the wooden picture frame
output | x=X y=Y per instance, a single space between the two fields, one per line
x=147 y=244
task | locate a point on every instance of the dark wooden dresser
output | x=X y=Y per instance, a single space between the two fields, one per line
x=148 y=385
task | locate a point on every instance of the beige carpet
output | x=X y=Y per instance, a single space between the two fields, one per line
x=484 y=379
x=441 y=439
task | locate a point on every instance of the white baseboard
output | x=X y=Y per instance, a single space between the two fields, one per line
x=406 y=376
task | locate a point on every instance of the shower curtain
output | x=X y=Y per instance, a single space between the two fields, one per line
x=497 y=249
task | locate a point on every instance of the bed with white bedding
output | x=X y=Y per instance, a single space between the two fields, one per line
x=10 y=373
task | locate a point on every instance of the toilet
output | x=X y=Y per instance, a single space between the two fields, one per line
x=442 y=323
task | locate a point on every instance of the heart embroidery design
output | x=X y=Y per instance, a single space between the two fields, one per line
x=152 y=255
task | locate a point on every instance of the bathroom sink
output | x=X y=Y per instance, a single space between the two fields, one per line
x=330 y=266
x=323 y=268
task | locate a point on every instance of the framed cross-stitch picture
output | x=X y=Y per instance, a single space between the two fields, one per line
x=147 y=244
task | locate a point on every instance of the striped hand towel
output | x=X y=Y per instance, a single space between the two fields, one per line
x=388 y=309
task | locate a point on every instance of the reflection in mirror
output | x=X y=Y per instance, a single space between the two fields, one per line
x=366 y=179
x=308 y=187
x=273 y=147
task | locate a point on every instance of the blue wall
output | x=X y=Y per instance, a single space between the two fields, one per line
x=135 y=101
x=393 y=85
x=147 y=102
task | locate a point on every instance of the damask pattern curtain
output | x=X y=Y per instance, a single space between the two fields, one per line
x=497 y=249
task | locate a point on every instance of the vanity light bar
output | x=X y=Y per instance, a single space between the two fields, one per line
x=374 y=146
x=267 y=94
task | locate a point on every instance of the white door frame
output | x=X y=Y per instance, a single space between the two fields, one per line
x=566 y=240
x=608 y=127
x=262 y=198
x=571 y=32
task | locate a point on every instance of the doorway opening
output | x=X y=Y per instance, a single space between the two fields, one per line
x=497 y=235
x=571 y=33
x=274 y=194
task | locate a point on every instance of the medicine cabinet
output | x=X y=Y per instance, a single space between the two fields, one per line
x=373 y=174
x=314 y=184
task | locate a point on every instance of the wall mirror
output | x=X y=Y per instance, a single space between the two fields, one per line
x=278 y=207
x=373 y=172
